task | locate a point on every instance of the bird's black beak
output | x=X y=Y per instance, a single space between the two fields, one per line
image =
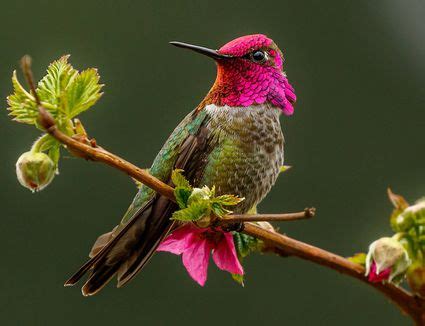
x=200 y=49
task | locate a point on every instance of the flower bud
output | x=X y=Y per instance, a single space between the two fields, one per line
x=199 y=194
x=403 y=222
x=414 y=214
x=416 y=278
x=387 y=259
x=418 y=210
x=35 y=170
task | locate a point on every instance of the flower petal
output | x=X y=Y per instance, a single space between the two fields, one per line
x=225 y=256
x=196 y=257
x=178 y=241
x=375 y=277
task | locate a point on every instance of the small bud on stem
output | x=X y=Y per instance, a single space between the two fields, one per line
x=387 y=259
x=35 y=171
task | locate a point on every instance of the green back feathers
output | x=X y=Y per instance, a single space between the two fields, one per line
x=164 y=162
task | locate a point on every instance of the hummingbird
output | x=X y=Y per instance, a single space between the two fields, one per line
x=232 y=140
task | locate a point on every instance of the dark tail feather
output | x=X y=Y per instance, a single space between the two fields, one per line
x=129 y=250
x=102 y=241
x=99 y=244
x=98 y=280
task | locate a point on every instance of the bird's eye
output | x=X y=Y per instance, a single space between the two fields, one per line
x=259 y=56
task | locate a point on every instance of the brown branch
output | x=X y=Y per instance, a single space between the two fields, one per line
x=409 y=304
x=91 y=152
x=279 y=243
x=101 y=155
x=238 y=218
x=26 y=69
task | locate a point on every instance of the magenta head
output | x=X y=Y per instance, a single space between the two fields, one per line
x=250 y=71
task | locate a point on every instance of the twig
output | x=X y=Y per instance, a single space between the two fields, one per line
x=409 y=304
x=237 y=218
x=26 y=69
x=93 y=153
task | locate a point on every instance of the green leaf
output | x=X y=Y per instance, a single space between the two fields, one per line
x=199 y=194
x=193 y=213
x=54 y=153
x=227 y=200
x=238 y=278
x=22 y=104
x=83 y=92
x=47 y=144
x=182 y=195
x=246 y=244
x=43 y=143
x=60 y=74
x=64 y=92
x=219 y=210
x=179 y=180
x=359 y=258
x=217 y=204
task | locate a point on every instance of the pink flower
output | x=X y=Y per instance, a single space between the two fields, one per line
x=375 y=277
x=195 y=245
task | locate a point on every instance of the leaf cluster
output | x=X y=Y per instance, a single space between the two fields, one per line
x=197 y=203
x=245 y=245
x=409 y=223
x=65 y=93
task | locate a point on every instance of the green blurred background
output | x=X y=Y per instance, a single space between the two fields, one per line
x=358 y=69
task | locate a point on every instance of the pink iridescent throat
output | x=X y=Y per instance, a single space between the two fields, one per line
x=241 y=82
